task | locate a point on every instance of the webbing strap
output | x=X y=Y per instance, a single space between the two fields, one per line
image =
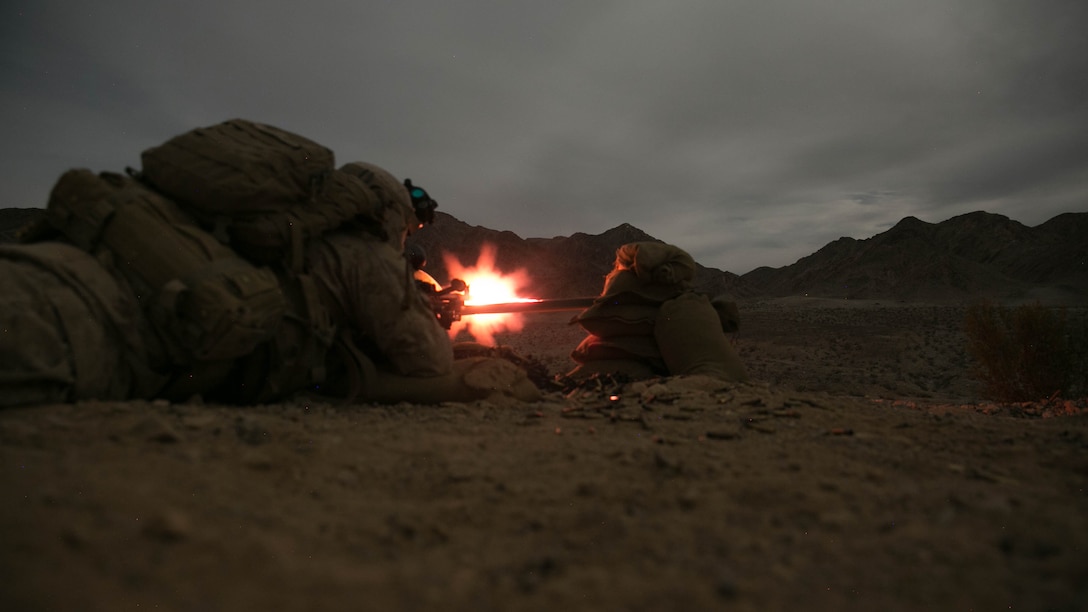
x=298 y=241
x=358 y=368
x=321 y=327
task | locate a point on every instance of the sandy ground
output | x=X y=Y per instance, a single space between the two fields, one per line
x=856 y=474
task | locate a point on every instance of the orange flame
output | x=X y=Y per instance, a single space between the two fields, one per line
x=488 y=285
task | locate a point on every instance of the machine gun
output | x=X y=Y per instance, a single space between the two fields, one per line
x=449 y=305
x=448 y=302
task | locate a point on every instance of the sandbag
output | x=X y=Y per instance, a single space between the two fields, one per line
x=657 y=262
x=654 y=272
x=689 y=335
x=638 y=348
x=625 y=286
x=607 y=319
x=728 y=314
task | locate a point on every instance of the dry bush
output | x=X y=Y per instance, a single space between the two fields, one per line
x=1026 y=353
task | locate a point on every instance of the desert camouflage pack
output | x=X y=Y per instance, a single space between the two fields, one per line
x=210 y=235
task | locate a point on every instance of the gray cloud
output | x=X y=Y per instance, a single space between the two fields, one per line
x=750 y=133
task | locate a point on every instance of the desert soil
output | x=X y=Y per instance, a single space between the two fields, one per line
x=858 y=472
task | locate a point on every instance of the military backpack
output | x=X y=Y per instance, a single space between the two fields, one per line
x=211 y=235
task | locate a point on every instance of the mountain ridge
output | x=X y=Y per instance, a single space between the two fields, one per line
x=562 y=266
x=977 y=255
x=969 y=256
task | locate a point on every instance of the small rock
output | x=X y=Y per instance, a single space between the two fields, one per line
x=667 y=463
x=726 y=587
x=585 y=489
x=688 y=499
x=59 y=422
x=168 y=526
x=838 y=520
x=199 y=420
x=19 y=433
x=653 y=392
x=257 y=460
x=347 y=477
x=73 y=538
x=250 y=430
x=758 y=425
x=156 y=429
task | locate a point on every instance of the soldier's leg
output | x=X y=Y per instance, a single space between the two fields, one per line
x=37 y=363
x=58 y=341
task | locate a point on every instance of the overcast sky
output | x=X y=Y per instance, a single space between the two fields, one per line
x=749 y=132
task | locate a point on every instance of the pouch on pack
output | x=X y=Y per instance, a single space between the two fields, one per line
x=237 y=166
x=262 y=190
x=206 y=302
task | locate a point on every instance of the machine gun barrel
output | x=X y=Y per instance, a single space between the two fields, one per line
x=535 y=306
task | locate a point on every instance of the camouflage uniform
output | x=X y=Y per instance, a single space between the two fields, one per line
x=370 y=288
x=371 y=294
x=70 y=330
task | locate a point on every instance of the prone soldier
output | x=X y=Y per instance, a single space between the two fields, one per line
x=166 y=284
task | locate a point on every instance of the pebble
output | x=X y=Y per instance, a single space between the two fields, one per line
x=760 y=426
x=168 y=526
x=199 y=420
x=250 y=430
x=74 y=538
x=156 y=429
x=726 y=586
x=688 y=499
x=667 y=463
x=17 y=432
x=257 y=460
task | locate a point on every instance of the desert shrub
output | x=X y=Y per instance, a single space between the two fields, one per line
x=1026 y=353
x=1078 y=350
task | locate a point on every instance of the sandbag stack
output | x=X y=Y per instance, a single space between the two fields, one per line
x=649 y=321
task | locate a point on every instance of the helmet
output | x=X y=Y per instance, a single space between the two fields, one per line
x=398 y=219
x=381 y=182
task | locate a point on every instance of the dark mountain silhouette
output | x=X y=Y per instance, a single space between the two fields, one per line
x=13 y=219
x=971 y=256
x=976 y=255
x=564 y=266
x=558 y=267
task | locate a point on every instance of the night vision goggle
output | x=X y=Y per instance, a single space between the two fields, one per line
x=422 y=202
